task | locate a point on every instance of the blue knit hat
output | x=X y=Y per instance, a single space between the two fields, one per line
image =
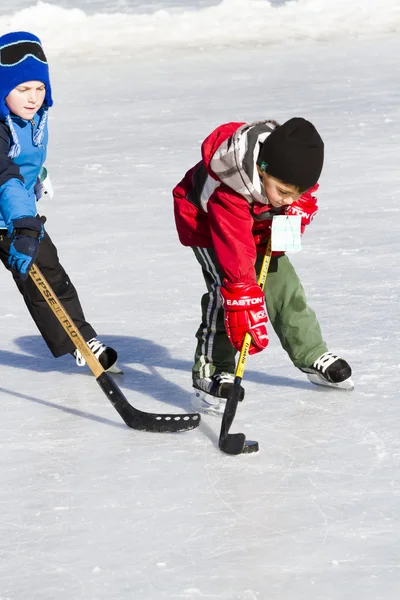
x=22 y=59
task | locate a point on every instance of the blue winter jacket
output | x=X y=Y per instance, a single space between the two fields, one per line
x=18 y=176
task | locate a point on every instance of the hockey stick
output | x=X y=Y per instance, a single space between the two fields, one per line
x=134 y=418
x=235 y=443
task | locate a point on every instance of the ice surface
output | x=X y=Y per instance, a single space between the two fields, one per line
x=92 y=510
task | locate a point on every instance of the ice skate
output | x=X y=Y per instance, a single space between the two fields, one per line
x=212 y=392
x=331 y=371
x=106 y=356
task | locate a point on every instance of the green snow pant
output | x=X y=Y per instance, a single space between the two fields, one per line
x=294 y=322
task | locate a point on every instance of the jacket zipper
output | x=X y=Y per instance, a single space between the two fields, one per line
x=33 y=127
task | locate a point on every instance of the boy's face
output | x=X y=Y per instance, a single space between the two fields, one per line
x=26 y=99
x=277 y=192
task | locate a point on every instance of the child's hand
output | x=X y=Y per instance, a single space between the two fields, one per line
x=245 y=312
x=26 y=235
x=306 y=207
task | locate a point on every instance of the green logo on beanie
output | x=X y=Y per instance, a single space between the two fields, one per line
x=263 y=165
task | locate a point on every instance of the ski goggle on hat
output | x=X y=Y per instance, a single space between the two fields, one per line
x=16 y=52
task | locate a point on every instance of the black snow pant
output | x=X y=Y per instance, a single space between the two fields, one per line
x=52 y=332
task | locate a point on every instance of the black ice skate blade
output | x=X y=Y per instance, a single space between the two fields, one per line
x=236 y=443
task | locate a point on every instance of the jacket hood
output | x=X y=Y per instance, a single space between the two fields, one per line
x=230 y=154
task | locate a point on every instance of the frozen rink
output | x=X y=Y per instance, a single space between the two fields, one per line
x=90 y=510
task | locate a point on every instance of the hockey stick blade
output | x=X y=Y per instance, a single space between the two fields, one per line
x=144 y=421
x=234 y=443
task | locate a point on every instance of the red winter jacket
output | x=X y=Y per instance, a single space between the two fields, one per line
x=225 y=211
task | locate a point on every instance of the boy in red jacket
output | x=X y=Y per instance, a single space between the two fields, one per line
x=224 y=208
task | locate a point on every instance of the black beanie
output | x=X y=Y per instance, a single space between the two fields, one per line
x=293 y=153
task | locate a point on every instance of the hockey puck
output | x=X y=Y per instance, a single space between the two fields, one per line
x=250 y=447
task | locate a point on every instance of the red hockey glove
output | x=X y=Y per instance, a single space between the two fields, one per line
x=306 y=207
x=245 y=312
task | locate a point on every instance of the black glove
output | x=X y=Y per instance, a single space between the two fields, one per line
x=25 y=239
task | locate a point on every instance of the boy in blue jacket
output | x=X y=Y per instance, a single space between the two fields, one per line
x=25 y=98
